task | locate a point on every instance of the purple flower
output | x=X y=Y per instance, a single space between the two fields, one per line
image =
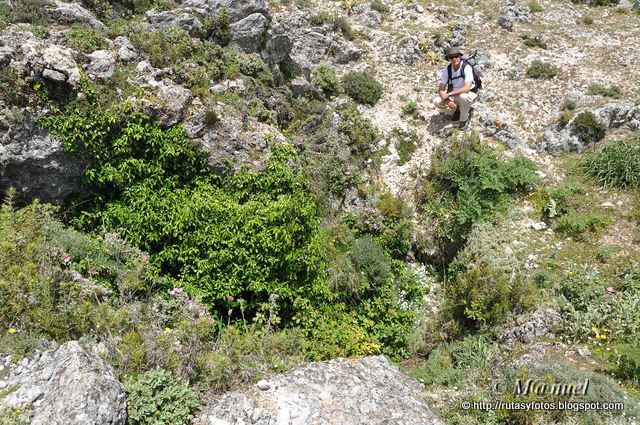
x=610 y=290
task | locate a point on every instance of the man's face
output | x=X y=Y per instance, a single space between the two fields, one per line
x=455 y=60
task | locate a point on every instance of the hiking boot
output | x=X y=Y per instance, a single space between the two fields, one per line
x=456 y=115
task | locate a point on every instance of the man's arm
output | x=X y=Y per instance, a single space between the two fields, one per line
x=446 y=97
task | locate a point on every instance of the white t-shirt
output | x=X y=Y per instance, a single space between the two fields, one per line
x=457 y=82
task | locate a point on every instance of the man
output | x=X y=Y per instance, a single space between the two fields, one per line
x=456 y=95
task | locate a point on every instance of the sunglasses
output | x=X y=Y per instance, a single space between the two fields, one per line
x=454 y=56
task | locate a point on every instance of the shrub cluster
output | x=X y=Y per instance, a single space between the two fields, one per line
x=587 y=128
x=543 y=70
x=362 y=87
x=611 y=91
x=325 y=78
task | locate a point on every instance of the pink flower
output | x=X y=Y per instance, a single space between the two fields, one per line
x=610 y=290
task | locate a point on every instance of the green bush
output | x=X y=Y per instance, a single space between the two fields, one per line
x=627 y=361
x=534 y=41
x=587 y=128
x=23 y=11
x=543 y=70
x=578 y=224
x=362 y=87
x=11 y=417
x=480 y=298
x=534 y=6
x=326 y=79
x=611 y=91
x=370 y=260
x=379 y=6
x=615 y=165
x=156 y=397
x=471 y=183
x=320 y=18
x=410 y=108
x=360 y=133
x=14 y=88
x=86 y=39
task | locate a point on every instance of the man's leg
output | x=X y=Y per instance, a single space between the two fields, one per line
x=464 y=102
x=441 y=105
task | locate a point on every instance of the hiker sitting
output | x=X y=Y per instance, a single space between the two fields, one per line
x=457 y=89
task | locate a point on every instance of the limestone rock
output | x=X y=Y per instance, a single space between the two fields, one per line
x=167 y=19
x=367 y=391
x=67 y=386
x=36 y=164
x=409 y=50
x=539 y=323
x=236 y=9
x=69 y=13
x=366 y=15
x=103 y=64
x=126 y=52
x=247 y=34
x=60 y=60
x=170 y=103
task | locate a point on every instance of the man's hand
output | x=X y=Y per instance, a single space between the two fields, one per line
x=451 y=105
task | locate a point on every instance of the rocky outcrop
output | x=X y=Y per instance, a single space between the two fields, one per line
x=561 y=137
x=363 y=391
x=540 y=323
x=70 y=13
x=248 y=33
x=103 y=64
x=165 y=20
x=67 y=386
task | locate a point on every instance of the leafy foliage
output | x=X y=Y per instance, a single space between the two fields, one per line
x=157 y=397
x=86 y=39
x=616 y=164
x=406 y=142
x=471 y=183
x=587 y=128
x=326 y=79
x=543 y=70
x=611 y=91
x=362 y=87
x=361 y=133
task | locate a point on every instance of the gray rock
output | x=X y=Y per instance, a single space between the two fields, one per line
x=539 y=323
x=169 y=104
x=69 y=13
x=366 y=15
x=236 y=9
x=103 y=64
x=248 y=33
x=177 y=18
x=501 y=131
x=344 y=51
x=236 y=86
x=367 y=391
x=55 y=76
x=483 y=58
x=36 y=164
x=6 y=55
x=409 y=50
x=506 y=22
x=583 y=352
x=60 y=59
x=68 y=386
x=263 y=385
x=278 y=45
x=126 y=52
x=300 y=86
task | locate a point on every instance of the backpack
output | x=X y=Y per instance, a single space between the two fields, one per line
x=475 y=68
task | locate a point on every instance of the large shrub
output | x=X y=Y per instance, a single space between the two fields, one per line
x=326 y=79
x=542 y=70
x=587 y=128
x=362 y=87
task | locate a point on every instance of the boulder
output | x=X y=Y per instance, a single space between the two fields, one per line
x=59 y=65
x=540 y=323
x=409 y=50
x=34 y=163
x=67 y=386
x=367 y=391
x=248 y=33
x=366 y=15
x=177 y=18
x=126 y=52
x=169 y=104
x=103 y=64
x=70 y=13
x=236 y=9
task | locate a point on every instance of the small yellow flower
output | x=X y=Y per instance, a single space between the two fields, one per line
x=18 y=411
x=167 y=330
x=605 y=330
x=603 y=337
x=12 y=331
x=594 y=329
x=570 y=273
